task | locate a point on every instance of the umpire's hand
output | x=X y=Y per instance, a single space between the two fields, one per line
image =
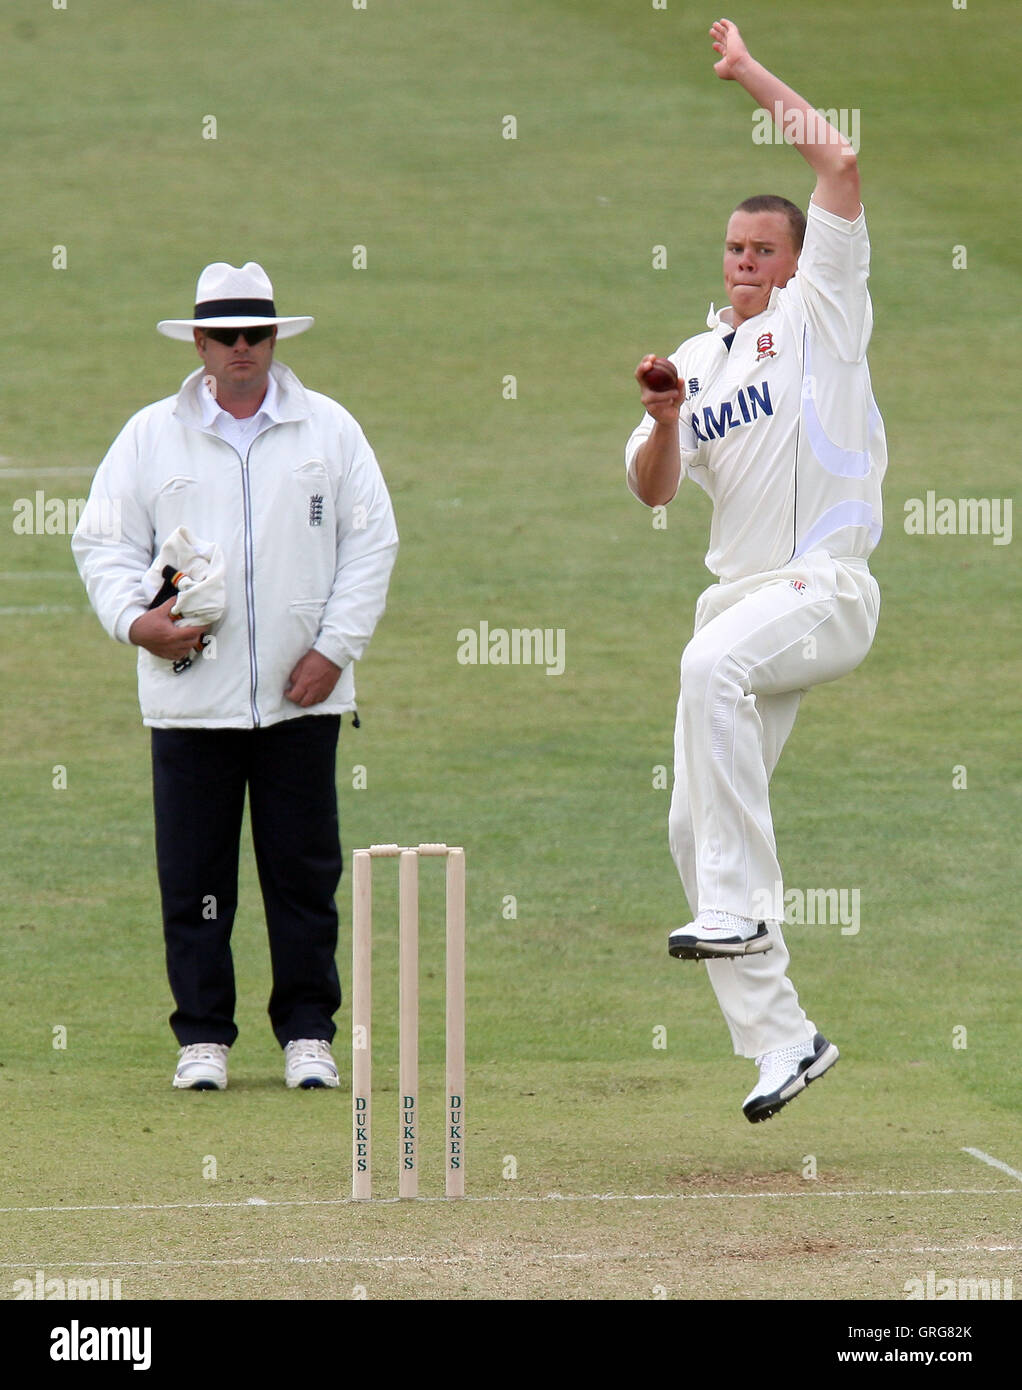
x=312 y=679
x=160 y=634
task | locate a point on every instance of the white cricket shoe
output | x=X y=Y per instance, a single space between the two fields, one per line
x=785 y=1073
x=202 y=1067
x=308 y=1062
x=718 y=936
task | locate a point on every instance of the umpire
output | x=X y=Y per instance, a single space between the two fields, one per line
x=279 y=484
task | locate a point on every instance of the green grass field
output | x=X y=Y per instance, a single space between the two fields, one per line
x=488 y=258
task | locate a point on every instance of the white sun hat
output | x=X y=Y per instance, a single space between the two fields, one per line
x=231 y=297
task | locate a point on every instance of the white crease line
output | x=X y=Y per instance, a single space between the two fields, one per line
x=518 y=1257
x=947 y=1250
x=8 y=575
x=47 y=472
x=994 y=1162
x=26 y=610
x=549 y=1197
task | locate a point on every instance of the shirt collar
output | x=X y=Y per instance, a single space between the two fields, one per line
x=211 y=411
x=721 y=325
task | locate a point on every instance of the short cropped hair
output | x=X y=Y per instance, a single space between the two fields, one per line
x=770 y=202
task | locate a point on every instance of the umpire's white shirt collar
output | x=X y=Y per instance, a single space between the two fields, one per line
x=212 y=412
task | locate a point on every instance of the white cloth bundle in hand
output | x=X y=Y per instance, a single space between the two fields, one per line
x=201 y=570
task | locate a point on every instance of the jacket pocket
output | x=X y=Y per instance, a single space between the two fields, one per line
x=175 y=505
x=178 y=483
x=306 y=614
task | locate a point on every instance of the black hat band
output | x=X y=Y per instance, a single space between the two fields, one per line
x=236 y=308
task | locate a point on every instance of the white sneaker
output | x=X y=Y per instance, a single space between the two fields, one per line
x=308 y=1062
x=718 y=935
x=785 y=1073
x=202 y=1067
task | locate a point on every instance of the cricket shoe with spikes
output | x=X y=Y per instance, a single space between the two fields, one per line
x=785 y=1073
x=718 y=936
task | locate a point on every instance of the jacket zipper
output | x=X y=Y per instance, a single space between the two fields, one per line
x=250 y=587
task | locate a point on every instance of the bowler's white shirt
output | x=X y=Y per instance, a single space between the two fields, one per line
x=782 y=430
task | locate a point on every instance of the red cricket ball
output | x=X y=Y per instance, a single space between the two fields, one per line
x=661 y=376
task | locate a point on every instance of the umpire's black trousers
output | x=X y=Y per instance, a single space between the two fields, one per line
x=199 y=781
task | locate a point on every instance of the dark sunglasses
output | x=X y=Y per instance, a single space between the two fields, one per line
x=229 y=336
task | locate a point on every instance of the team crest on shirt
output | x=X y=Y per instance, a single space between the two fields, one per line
x=799 y=585
x=765 y=346
x=693 y=386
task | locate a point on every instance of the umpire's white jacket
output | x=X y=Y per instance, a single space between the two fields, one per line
x=308 y=534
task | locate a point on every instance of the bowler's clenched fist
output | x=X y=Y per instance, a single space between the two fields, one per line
x=663 y=406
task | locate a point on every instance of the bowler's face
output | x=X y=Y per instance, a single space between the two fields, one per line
x=758 y=254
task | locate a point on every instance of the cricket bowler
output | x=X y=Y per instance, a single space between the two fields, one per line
x=773 y=416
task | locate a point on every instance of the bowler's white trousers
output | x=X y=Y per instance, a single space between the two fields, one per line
x=759 y=644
